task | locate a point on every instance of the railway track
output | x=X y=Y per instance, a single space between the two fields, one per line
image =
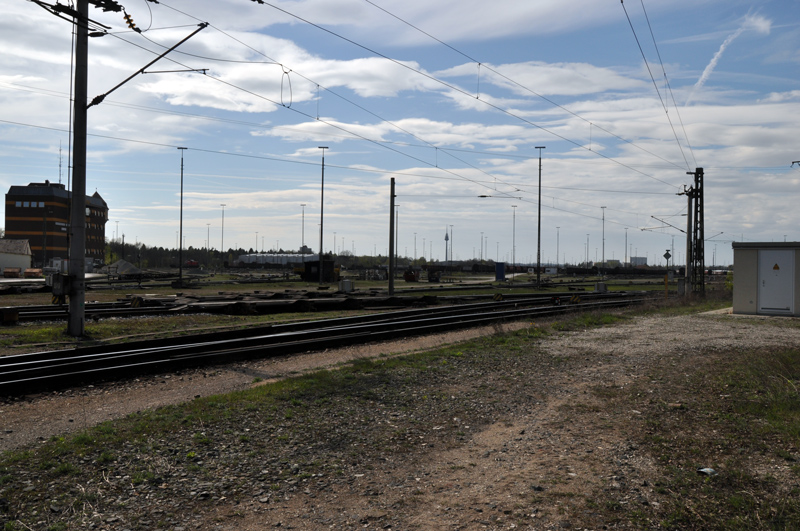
x=250 y=304
x=35 y=372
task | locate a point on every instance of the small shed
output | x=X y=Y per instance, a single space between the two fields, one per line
x=765 y=279
x=15 y=254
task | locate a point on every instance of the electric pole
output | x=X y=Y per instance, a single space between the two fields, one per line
x=77 y=218
x=695 y=234
x=77 y=226
x=391 y=236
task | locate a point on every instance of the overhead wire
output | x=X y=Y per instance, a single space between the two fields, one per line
x=669 y=87
x=521 y=86
x=350 y=168
x=501 y=155
x=454 y=174
x=327 y=122
x=285 y=73
x=462 y=91
x=658 y=92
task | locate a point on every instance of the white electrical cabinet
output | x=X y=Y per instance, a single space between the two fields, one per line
x=765 y=278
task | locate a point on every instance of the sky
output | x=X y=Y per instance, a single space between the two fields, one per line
x=455 y=101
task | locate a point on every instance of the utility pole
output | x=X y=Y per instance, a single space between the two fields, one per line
x=222 y=237
x=539 y=223
x=695 y=234
x=698 y=255
x=303 y=226
x=603 y=256
x=180 y=240
x=452 y=256
x=77 y=226
x=626 y=248
x=396 y=234
x=321 y=210
x=391 y=237
x=446 y=245
x=514 y=241
x=558 y=237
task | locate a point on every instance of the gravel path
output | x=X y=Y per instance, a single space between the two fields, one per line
x=496 y=441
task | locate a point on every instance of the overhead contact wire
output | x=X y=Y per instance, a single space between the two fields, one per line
x=658 y=92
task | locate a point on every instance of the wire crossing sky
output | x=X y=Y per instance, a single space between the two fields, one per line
x=449 y=99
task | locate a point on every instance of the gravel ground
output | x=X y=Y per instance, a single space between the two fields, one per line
x=514 y=433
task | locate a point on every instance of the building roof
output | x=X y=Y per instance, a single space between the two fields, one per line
x=766 y=245
x=48 y=189
x=15 y=247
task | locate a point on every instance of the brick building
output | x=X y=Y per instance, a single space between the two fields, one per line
x=39 y=213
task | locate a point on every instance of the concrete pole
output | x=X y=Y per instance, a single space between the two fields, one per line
x=539 y=223
x=391 y=237
x=321 y=210
x=180 y=239
x=77 y=228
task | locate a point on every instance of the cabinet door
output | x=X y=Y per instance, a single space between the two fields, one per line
x=776 y=281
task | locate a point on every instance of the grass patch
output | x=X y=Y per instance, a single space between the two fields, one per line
x=766 y=385
x=589 y=320
x=334 y=423
x=738 y=413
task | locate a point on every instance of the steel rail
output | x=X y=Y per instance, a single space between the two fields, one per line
x=124 y=309
x=28 y=373
x=258 y=331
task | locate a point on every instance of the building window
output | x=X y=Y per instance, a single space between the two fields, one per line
x=26 y=204
x=41 y=204
x=19 y=203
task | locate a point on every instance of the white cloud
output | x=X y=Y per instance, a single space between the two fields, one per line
x=565 y=79
x=777 y=97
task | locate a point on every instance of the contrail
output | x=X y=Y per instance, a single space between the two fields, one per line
x=757 y=23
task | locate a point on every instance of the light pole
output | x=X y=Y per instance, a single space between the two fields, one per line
x=303 y=226
x=321 y=209
x=587 y=251
x=180 y=239
x=558 y=236
x=396 y=235
x=481 y=246
x=626 y=247
x=256 y=245
x=452 y=256
x=208 y=243
x=539 y=223
x=603 y=256
x=446 y=245
x=222 y=241
x=513 y=241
